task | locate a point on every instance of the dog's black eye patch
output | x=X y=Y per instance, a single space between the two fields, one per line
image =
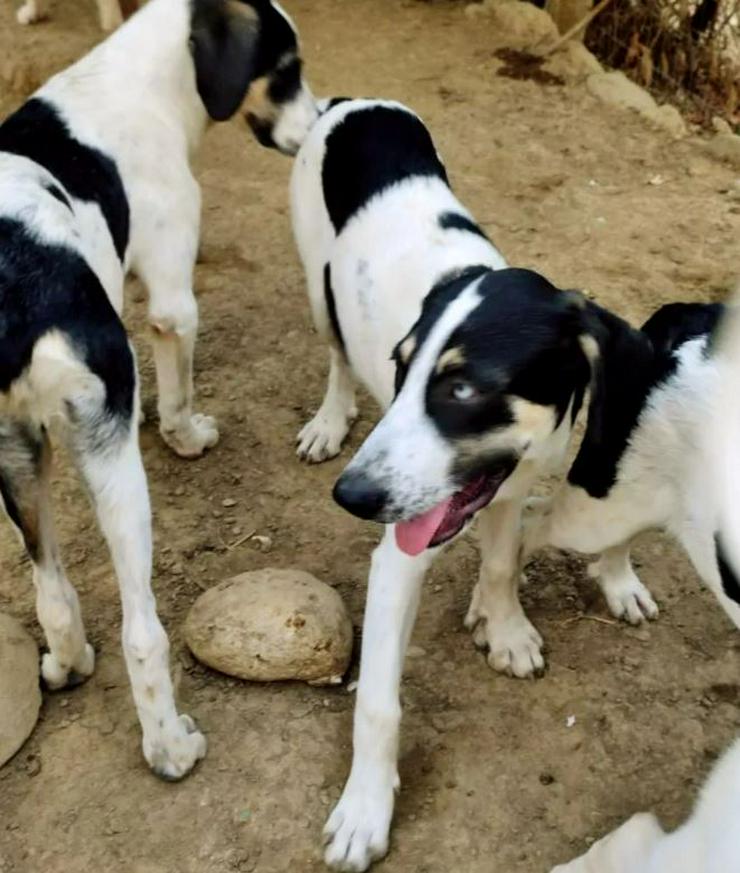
x=487 y=408
x=285 y=82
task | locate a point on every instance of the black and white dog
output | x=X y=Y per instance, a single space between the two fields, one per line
x=708 y=842
x=491 y=369
x=94 y=181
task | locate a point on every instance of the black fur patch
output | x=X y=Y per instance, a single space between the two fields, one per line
x=285 y=82
x=335 y=101
x=632 y=364
x=331 y=307
x=676 y=323
x=456 y=221
x=37 y=132
x=47 y=287
x=520 y=341
x=276 y=38
x=370 y=150
x=730 y=582
x=57 y=193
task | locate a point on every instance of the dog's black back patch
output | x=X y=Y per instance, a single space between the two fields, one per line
x=50 y=287
x=730 y=583
x=457 y=221
x=370 y=150
x=632 y=364
x=37 y=132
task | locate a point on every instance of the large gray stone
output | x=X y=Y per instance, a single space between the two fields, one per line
x=272 y=624
x=20 y=695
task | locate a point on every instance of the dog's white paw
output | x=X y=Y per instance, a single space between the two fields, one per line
x=514 y=645
x=356 y=833
x=323 y=436
x=172 y=753
x=29 y=13
x=192 y=439
x=626 y=596
x=57 y=676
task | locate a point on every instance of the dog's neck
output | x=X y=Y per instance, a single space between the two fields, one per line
x=147 y=64
x=623 y=373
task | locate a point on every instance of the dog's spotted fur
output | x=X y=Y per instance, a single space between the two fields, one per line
x=95 y=180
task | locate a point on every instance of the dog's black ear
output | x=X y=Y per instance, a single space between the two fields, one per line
x=623 y=365
x=223 y=41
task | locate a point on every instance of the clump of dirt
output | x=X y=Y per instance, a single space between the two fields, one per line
x=523 y=65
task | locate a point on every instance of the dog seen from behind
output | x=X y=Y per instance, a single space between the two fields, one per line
x=95 y=181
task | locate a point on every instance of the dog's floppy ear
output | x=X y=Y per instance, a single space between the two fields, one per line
x=622 y=363
x=223 y=41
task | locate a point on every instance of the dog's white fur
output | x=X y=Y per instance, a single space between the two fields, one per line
x=134 y=98
x=709 y=841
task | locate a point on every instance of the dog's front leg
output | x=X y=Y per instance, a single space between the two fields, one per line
x=496 y=617
x=165 y=259
x=357 y=831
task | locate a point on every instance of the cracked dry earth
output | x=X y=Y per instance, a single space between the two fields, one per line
x=493 y=779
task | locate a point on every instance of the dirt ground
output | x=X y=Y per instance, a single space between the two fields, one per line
x=493 y=779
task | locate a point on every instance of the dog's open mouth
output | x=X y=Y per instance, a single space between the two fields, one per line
x=449 y=517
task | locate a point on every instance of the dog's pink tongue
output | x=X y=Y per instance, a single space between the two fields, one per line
x=412 y=537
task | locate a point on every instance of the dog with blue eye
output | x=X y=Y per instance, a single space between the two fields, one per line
x=481 y=371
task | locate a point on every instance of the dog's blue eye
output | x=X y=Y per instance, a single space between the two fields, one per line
x=463 y=391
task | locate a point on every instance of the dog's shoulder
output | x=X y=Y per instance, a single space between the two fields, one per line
x=37 y=131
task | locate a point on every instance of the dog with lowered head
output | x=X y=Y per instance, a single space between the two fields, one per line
x=481 y=371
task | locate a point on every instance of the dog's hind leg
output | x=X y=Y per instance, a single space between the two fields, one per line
x=567 y=522
x=625 y=595
x=357 y=830
x=107 y=450
x=496 y=616
x=323 y=436
x=25 y=464
x=164 y=258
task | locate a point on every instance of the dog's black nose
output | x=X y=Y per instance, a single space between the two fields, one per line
x=360 y=495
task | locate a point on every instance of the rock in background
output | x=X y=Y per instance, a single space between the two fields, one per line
x=20 y=695
x=270 y=625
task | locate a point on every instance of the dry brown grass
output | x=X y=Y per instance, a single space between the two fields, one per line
x=686 y=52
